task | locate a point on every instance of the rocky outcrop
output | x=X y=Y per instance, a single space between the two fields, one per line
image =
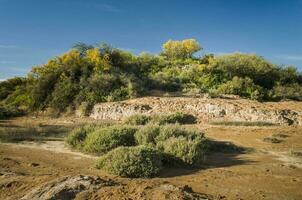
x=205 y=110
x=92 y=187
x=66 y=188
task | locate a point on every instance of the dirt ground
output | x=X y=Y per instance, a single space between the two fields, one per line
x=267 y=171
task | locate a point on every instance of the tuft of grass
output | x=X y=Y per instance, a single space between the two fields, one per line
x=177 y=117
x=132 y=162
x=279 y=135
x=137 y=120
x=105 y=139
x=242 y=123
x=273 y=140
x=295 y=153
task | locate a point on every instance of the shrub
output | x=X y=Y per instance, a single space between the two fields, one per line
x=147 y=134
x=244 y=87
x=293 y=91
x=84 y=109
x=173 y=118
x=105 y=139
x=77 y=136
x=137 y=119
x=182 y=150
x=175 y=131
x=133 y=162
x=9 y=111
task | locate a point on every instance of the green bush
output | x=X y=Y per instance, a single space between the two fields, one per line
x=175 y=131
x=146 y=135
x=181 y=150
x=137 y=120
x=9 y=111
x=177 y=117
x=243 y=87
x=77 y=136
x=133 y=162
x=105 y=139
x=293 y=91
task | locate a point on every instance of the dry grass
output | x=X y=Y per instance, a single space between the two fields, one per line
x=242 y=123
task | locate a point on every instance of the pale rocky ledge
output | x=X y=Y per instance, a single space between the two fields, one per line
x=205 y=109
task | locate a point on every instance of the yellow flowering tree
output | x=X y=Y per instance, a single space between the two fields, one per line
x=175 y=49
x=101 y=62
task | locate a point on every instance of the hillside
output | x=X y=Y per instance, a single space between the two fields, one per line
x=91 y=74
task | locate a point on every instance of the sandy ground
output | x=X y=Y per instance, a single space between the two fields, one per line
x=268 y=171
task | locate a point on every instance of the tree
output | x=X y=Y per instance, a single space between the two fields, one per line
x=180 y=49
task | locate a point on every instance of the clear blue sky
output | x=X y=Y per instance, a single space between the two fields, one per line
x=32 y=31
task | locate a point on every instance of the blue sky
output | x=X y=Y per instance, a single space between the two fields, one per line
x=32 y=31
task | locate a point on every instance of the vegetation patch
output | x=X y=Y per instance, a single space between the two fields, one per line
x=90 y=74
x=31 y=132
x=76 y=137
x=175 y=131
x=177 y=117
x=105 y=139
x=242 y=123
x=146 y=135
x=10 y=111
x=143 y=151
x=224 y=147
x=280 y=135
x=273 y=140
x=181 y=150
x=137 y=120
x=133 y=162
x=295 y=153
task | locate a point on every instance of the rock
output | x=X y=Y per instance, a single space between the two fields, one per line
x=204 y=109
x=174 y=192
x=33 y=164
x=66 y=188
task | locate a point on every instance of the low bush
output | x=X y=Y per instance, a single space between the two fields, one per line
x=146 y=135
x=244 y=87
x=105 y=139
x=77 y=136
x=133 y=162
x=175 y=131
x=173 y=118
x=137 y=120
x=9 y=111
x=293 y=91
x=182 y=150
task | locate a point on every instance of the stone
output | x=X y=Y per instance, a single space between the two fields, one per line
x=205 y=110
